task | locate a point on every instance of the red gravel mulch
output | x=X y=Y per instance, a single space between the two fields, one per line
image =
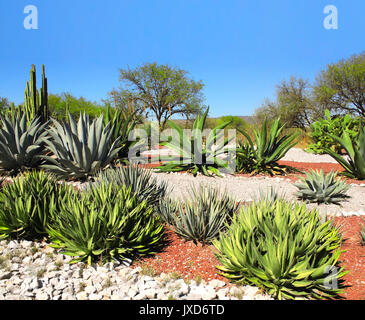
x=193 y=261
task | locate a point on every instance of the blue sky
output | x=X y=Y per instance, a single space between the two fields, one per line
x=240 y=49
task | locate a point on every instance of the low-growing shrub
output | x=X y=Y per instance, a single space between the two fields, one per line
x=284 y=249
x=105 y=223
x=322 y=130
x=322 y=188
x=28 y=205
x=139 y=179
x=202 y=216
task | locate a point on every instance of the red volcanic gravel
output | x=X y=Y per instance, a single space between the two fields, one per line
x=191 y=261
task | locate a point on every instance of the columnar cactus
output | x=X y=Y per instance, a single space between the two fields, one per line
x=36 y=103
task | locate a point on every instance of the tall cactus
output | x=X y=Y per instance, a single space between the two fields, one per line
x=36 y=103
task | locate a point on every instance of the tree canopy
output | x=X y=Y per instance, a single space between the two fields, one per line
x=341 y=86
x=163 y=90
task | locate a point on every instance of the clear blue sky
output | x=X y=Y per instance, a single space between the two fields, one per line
x=240 y=49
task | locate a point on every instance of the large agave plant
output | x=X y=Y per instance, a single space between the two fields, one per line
x=284 y=249
x=105 y=223
x=80 y=149
x=193 y=154
x=123 y=122
x=202 y=216
x=354 y=165
x=140 y=181
x=321 y=188
x=21 y=144
x=266 y=150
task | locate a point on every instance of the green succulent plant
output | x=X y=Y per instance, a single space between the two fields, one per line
x=123 y=122
x=202 y=215
x=80 y=149
x=266 y=150
x=284 y=249
x=193 y=154
x=21 y=143
x=140 y=181
x=321 y=188
x=105 y=223
x=28 y=204
x=354 y=163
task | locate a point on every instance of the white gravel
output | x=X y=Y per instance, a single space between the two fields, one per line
x=35 y=271
x=248 y=188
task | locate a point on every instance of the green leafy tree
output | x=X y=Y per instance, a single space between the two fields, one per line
x=341 y=86
x=294 y=104
x=160 y=89
x=4 y=103
x=58 y=104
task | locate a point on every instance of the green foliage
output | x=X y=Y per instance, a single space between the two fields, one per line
x=61 y=104
x=105 y=223
x=28 y=204
x=80 y=149
x=341 y=86
x=124 y=122
x=138 y=179
x=36 y=103
x=195 y=155
x=21 y=143
x=267 y=148
x=284 y=249
x=320 y=188
x=354 y=163
x=203 y=216
x=322 y=130
x=294 y=104
x=245 y=158
x=163 y=90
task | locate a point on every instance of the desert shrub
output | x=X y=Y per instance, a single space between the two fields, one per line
x=322 y=130
x=201 y=216
x=105 y=223
x=284 y=249
x=28 y=204
x=322 y=188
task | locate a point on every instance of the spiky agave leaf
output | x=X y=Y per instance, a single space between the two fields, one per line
x=284 y=249
x=80 y=149
x=105 y=223
x=321 y=188
x=268 y=147
x=193 y=155
x=21 y=143
x=354 y=165
x=28 y=205
x=139 y=179
x=202 y=215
